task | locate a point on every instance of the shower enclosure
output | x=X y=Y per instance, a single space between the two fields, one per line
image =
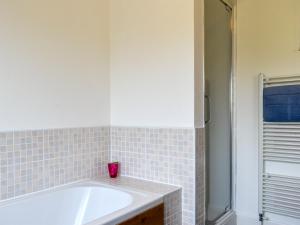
x=218 y=64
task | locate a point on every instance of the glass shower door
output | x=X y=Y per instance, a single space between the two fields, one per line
x=218 y=60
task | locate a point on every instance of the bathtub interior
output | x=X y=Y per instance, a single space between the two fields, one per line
x=72 y=206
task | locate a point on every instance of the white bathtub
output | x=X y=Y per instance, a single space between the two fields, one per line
x=88 y=203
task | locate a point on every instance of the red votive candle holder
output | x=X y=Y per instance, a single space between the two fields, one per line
x=113 y=169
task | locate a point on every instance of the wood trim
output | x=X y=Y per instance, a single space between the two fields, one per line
x=154 y=216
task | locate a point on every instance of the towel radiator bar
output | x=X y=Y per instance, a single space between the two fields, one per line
x=281 y=80
x=280 y=143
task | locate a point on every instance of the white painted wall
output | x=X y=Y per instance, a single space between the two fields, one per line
x=199 y=83
x=267 y=40
x=54 y=62
x=152 y=63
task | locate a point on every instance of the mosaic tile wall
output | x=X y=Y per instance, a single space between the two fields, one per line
x=34 y=160
x=200 y=175
x=161 y=155
x=38 y=159
x=173 y=208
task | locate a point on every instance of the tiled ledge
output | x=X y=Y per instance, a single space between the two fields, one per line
x=164 y=155
x=171 y=195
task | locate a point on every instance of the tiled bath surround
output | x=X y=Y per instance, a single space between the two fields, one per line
x=159 y=154
x=34 y=160
x=200 y=175
x=173 y=208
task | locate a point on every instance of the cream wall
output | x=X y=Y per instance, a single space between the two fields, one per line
x=152 y=63
x=54 y=62
x=267 y=40
x=199 y=84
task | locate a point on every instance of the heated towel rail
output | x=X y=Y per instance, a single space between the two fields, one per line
x=279 y=194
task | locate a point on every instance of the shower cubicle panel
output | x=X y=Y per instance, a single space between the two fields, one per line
x=218 y=61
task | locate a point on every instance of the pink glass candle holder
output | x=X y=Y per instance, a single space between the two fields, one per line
x=113 y=169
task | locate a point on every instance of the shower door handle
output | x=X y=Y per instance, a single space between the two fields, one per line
x=207 y=109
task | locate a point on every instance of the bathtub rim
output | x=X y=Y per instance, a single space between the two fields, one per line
x=142 y=200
